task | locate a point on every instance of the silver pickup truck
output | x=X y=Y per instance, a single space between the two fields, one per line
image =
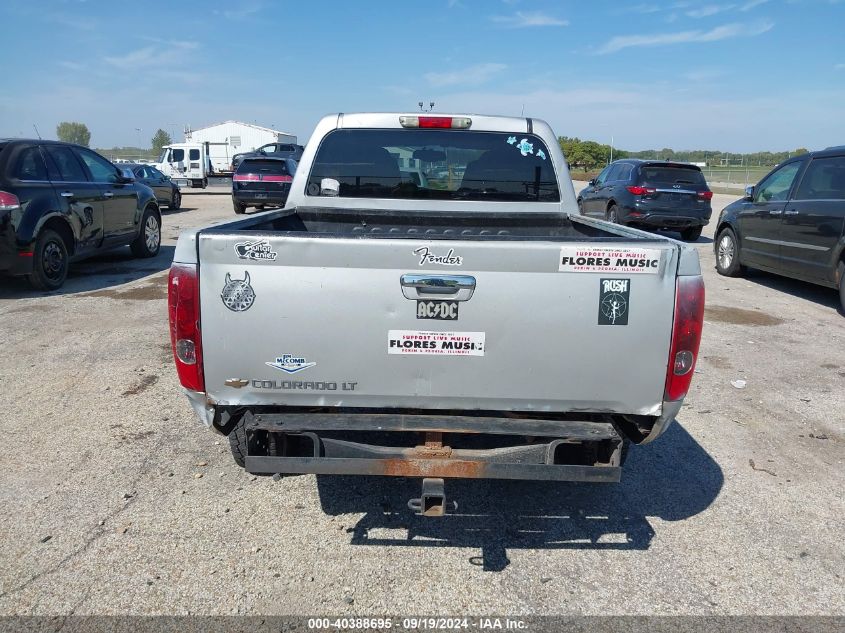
x=430 y=304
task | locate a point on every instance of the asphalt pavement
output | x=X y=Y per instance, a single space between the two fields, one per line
x=117 y=501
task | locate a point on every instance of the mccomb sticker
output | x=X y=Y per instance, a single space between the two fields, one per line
x=413 y=342
x=609 y=260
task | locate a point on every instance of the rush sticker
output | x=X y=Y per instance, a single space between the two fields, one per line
x=629 y=261
x=443 y=310
x=614 y=301
x=412 y=342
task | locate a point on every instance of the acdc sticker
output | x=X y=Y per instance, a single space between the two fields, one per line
x=614 y=301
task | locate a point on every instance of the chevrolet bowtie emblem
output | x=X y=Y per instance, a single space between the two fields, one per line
x=237 y=383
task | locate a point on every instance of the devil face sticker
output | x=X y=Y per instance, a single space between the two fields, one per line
x=237 y=294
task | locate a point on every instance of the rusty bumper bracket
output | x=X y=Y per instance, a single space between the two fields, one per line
x=435 y=468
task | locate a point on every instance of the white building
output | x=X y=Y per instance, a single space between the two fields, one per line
x=238 y=136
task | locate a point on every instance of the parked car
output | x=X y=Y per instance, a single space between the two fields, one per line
x=487 y=328
x=60 y=202
x=166 y=191
x=651 y=195
x=276 y=150
x=260 y=181
x=791 y=223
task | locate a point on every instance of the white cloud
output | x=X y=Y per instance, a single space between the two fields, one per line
x=709 y=9
x=722 y=32
x=164 y=53
x=469 y=76
x=839 y=67
x=523 y=19
x=751 y=4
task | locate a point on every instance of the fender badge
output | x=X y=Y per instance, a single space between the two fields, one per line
x=237 y=383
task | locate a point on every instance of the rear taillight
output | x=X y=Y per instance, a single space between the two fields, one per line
x=445 y=122
x=183 y=305
x=641 y=191
x=705 y=195
x=9 y=201
x=686 y=336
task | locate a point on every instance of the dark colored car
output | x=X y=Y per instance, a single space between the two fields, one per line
x=277 y=150
x=260 y=181
x=60 y=203
x=791 y=223
x=166 y=191
x=650 y=194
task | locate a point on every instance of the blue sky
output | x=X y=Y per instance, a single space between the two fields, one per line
x=735 y=75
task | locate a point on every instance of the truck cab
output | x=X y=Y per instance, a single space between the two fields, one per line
x=187 y=164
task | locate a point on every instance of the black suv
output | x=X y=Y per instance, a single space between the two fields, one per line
x=276 y=150
x=61 y=202
x=650 y=194
x=260 y=181
x=791 y=223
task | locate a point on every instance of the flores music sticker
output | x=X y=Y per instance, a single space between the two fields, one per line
x=237 y=294
x=614 y=301
x=256 y=250
x=438 y=343
x=609 y=260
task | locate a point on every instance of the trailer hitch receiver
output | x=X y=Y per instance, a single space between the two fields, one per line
x=432 y=502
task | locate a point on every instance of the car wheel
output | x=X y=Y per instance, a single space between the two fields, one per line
x=50 y=261
x=727 y=254
x=691 y=234
x=238 y=443
x=149 y=237
x=240 y=207
x=613 y=214
x=176 y=202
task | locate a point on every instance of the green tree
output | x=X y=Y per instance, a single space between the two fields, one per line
x=801 y=150
x=160 y=139
x=72 y=132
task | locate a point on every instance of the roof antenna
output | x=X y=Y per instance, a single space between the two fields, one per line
x=37 y=132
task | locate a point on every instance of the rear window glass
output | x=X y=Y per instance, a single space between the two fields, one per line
x=270 y=167
x=823 y=180
x=671 y=175
x=70 y=170
x=435 y=165
x=31 y=165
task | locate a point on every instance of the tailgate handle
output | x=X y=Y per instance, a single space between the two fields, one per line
x=456 y=287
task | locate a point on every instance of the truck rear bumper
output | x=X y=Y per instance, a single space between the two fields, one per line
x=433 y=447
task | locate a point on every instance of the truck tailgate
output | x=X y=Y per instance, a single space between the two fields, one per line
x=505 y=325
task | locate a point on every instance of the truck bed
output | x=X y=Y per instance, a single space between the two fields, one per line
x=533 y=331
x=441 y=225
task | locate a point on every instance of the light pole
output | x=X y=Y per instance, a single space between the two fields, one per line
x=611 y=148
x=138 y=130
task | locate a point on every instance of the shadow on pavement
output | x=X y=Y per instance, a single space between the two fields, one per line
x=822 y=295
x=112 y=268
x=673 y=479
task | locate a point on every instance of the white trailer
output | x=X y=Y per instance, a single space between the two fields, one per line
x=233 y=137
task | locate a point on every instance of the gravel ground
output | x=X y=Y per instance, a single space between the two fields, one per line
x=116 y=501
